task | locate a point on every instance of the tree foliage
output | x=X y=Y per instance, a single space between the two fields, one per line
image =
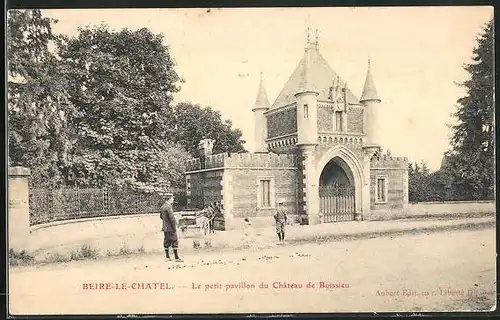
x=96 y=109
x=122 y=85
x=39 y=111
x=417 y=182
x=471 y=160
x=194 y=123
x=467 y=171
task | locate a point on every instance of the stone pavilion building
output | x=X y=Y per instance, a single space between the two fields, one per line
x=317 y=151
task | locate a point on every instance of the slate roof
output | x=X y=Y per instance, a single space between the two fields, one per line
x=262 y=102
x=314 y=74
x=369 y=89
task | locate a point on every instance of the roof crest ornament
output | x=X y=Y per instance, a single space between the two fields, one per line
x=310 y=44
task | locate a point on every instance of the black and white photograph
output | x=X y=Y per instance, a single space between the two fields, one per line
x=277 y=160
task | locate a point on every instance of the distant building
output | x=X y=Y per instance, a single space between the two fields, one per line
x=317 y=151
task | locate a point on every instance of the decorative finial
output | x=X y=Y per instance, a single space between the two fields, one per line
x=317 y=36
x=308 y=36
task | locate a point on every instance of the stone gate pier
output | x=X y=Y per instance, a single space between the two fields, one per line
x=18 y=222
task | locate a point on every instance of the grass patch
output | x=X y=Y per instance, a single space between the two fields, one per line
x=21 y=258
x=85 y=252
x=56 y=257
x=124 y=250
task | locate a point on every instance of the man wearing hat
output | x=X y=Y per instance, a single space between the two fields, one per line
x=169 y=228
x=280 y=219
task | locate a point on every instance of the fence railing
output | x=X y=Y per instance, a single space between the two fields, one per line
x=48 y=205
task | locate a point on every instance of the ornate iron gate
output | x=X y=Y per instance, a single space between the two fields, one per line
x=337 y=203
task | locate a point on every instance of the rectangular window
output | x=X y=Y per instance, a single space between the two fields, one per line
x=306 y=111
x=339 y=125
x=265 y=187
x=381 y=190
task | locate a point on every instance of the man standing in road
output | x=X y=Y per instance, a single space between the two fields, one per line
x=169 y=228
x=280 y=219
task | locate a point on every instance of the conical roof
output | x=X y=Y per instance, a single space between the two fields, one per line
x=313 y=73
x=369 y=89
x=306 y=82
x=262 y=102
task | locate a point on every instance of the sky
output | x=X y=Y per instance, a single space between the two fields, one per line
x=417 y=56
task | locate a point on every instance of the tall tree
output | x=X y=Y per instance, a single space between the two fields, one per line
x=194 y=123
x=473 y=143
x=122 y=84
x=39 y=134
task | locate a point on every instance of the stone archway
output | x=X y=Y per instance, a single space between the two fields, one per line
x=348 y=171
x=337 y=201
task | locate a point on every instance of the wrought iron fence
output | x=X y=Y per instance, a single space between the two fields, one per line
x=48 y=205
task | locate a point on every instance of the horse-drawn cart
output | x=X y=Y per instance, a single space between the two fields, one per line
x=207 y=219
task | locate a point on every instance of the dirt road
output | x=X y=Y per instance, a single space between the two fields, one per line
x=442 y=271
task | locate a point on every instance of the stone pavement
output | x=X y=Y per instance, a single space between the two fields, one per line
x=109 y=236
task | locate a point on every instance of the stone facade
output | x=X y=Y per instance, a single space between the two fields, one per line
x=322 y=157
x=355 y=116
x=394 y=171
x=236 y=181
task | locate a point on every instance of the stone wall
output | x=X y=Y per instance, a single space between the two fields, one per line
x=260 y=160
x=451 y=209
x=241 y=188
x=225 y=160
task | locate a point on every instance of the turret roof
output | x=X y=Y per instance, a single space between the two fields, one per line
x=313 y=73
x=369 y=90
x=262 y=102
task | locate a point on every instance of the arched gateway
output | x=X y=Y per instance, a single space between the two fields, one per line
x=340 y=181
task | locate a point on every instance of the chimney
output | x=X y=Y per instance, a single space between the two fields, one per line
x=205 y=148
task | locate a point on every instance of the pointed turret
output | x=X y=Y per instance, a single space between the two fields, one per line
x=262 y=102
x=260 y=126
x=306 y=81
x=370 y=99
x=369 y=90
x=307 y=98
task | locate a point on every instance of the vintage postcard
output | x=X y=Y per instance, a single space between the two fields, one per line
x=251 y=160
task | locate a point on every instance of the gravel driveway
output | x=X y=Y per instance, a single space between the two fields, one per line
x=438 y=271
